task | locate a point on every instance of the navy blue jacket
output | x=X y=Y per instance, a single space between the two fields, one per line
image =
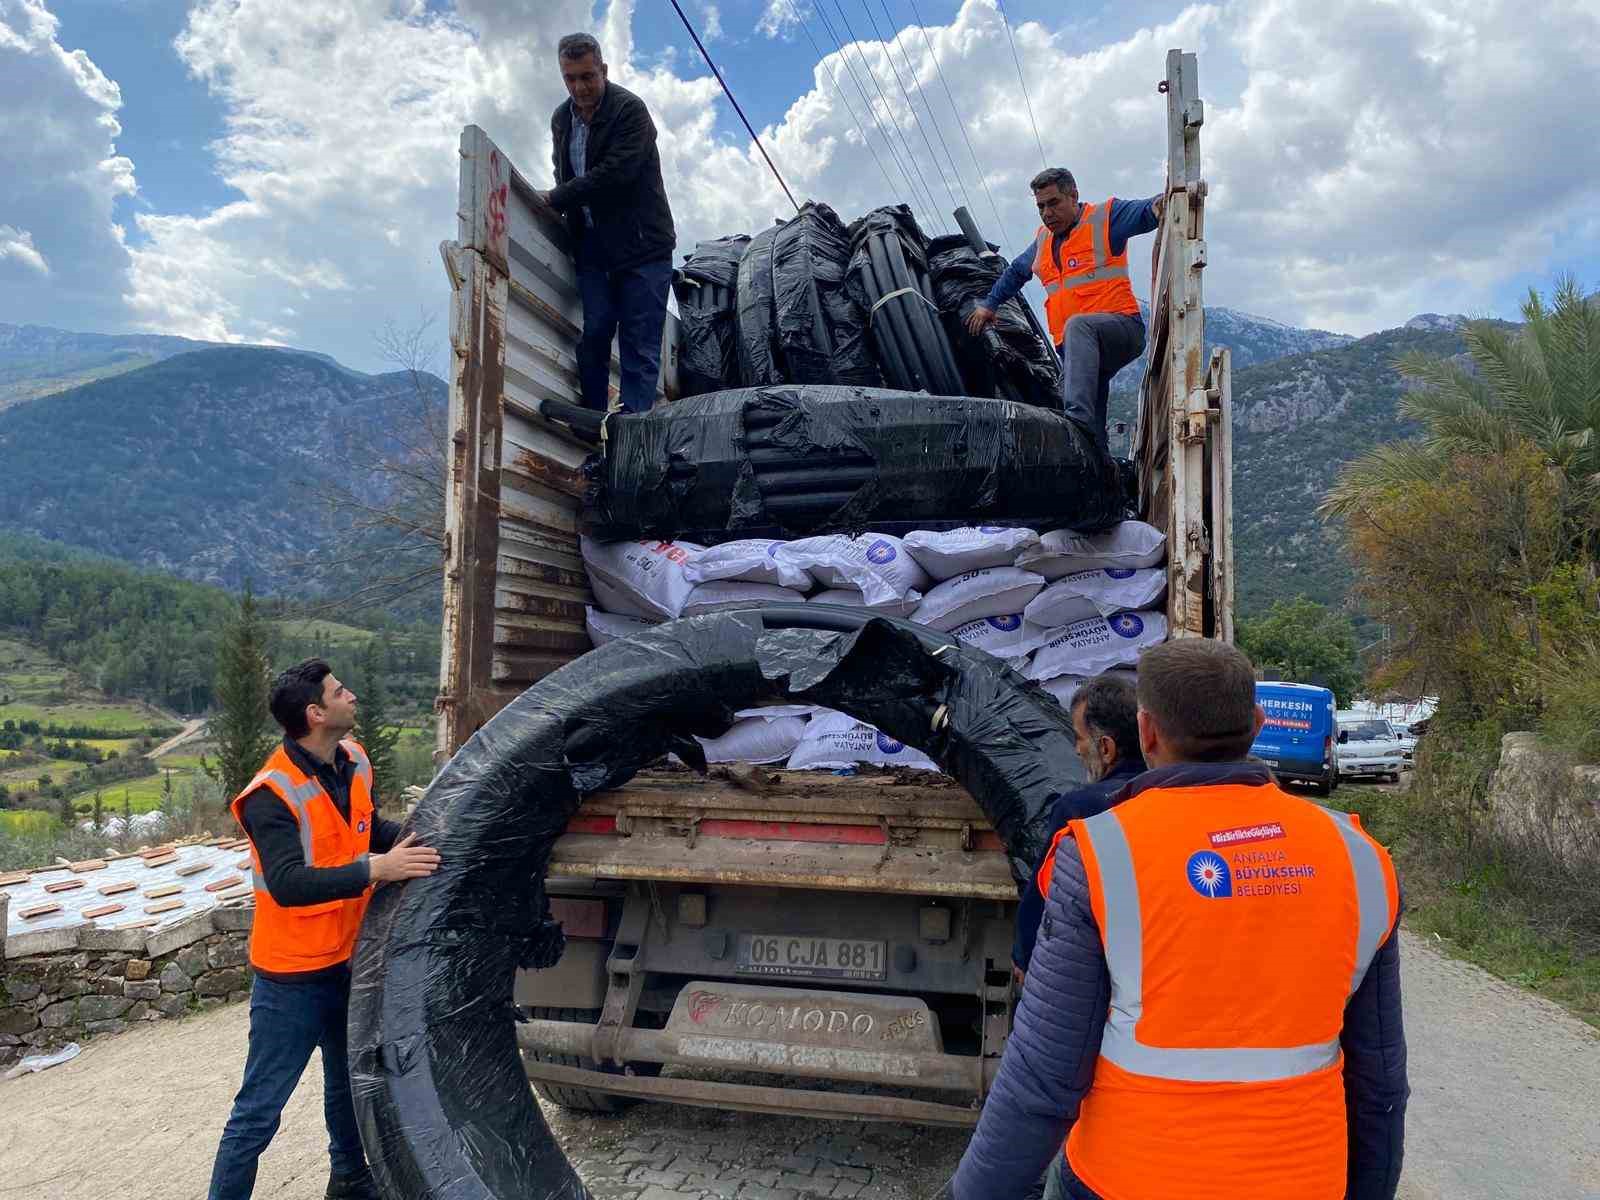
x=1129 y=218
x=1050 y=1057
x=1088 y=801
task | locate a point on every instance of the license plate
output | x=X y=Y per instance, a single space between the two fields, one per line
x=812 y=957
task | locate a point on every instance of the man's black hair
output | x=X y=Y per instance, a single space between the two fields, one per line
x=297 y=687
x=1110 y=706
x=1055 y=177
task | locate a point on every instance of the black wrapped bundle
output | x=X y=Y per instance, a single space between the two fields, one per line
x=706 y=288
x=821 y=333
x=794 y=460
x=440 y=1095
x=1010 y=360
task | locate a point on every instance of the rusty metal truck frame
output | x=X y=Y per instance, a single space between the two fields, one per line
x=652 y=880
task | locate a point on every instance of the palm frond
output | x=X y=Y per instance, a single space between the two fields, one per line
x=1379 y=471
x=1513 y=367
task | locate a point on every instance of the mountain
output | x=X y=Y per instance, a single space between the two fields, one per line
x=36 y=360
x=1296 y=420
x=1252 y=339
x=218 y=465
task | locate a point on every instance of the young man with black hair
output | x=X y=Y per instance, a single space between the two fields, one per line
x=317 y=849
x=1215 y=993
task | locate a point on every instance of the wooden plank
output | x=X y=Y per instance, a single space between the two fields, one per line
x=89 y=864
x=112 y=889
x=10 y=878
x=193 y=868
x=64 y=885
x=161 y=906
x=102 y=910
x=162 y=889
x=224 y=884
x=35 y=911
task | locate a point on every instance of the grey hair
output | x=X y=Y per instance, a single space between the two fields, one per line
x=1055 y=177
x=1110 y=706
x=579 y=45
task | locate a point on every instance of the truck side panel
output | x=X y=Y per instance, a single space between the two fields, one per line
x=514 y=584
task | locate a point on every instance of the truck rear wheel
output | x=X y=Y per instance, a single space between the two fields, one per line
x=580 y=1099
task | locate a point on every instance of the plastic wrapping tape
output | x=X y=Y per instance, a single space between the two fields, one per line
x=444 y=1106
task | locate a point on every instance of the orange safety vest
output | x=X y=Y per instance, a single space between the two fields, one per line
x=1089 y=278
x=307 y=937
x=1237 y=921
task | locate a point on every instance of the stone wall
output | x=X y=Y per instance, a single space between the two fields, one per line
x=111 y=979
x=1544 y=806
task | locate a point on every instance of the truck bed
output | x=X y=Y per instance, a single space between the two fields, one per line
x=891 y=831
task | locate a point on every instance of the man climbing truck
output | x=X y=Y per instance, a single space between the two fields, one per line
x=790 y=926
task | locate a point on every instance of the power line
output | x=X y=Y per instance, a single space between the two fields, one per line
x=933 y=205
x=1004 y=20
x=906 y=93
x=960 y=124
x=727 y=91
x=910 y=187
x=932 y=120
x=848 y=107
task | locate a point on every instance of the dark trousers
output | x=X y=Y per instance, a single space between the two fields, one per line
x=633 y=304
x=287 y=1022
x=1094 y=348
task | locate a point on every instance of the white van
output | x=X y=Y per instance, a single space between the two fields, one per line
x=1366 y=745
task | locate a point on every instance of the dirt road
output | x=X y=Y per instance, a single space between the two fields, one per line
x=191 y=730
x=1503 y=1108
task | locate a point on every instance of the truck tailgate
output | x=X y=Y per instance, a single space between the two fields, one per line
x=887 y=832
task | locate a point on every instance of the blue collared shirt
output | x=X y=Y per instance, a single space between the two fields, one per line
x=578 y=155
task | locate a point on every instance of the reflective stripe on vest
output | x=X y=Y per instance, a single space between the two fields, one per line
x=1124 y=945
x=1099 y=284
x=298 y=796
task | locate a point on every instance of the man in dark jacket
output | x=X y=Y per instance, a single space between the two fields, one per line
x=609 y=189
x=1083 y=1011
x=1105 y=718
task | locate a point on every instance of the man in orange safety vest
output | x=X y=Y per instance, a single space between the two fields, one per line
x=1214 y=998
x=1080 y=255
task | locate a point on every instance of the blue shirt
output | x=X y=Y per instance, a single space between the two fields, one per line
x=1129 y=218
x=578 y=155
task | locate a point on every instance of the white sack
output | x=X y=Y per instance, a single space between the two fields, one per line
x=1098 y=644
x=835 y=739
x=606 y=627
x=1005 y=636
x=755 y=740
x=732 y=593
x=987 y=592
x=754 y=560
x=875 y=563
x=1065 y=687
x=946 y=555
x=1131 y=544
x=771 y=712
x=1097 y=593
x=851 y=598
x=639 y=579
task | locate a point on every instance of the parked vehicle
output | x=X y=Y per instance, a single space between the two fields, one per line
x=828 y=921
x=1408 y=744
x=1367 y=747
x=1297 y=739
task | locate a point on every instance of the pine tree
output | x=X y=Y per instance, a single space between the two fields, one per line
x=99 y=811
x=374 y=729
x=64 y=811
x=127 y=814
x=242 y=727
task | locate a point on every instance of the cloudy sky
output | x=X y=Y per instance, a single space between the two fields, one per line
x=283 y=170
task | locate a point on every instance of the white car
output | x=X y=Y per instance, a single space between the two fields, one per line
x=1408 y=744
x=1367 y=746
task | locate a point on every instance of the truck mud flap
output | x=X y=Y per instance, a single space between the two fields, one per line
x=440 y=1092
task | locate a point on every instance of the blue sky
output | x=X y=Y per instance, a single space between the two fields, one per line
x=259 y=171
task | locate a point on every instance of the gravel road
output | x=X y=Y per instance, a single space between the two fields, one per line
x=1504 y=1107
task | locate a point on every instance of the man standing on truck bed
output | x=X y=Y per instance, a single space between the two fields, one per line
x=312 y=828
x=1080 y=255
x=609 y=189
x=1215 y=994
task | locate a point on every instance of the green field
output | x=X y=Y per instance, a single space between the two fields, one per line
x=59 y=769
x=105 y=718
x=144 y=795
x=335 y=634
x=34 y=687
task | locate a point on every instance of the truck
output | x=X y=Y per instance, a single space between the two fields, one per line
x=839 y=946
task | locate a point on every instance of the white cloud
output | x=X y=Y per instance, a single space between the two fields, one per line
x=60 y=175
x=17 y=244
x=711 y=27
x=1367 y=159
